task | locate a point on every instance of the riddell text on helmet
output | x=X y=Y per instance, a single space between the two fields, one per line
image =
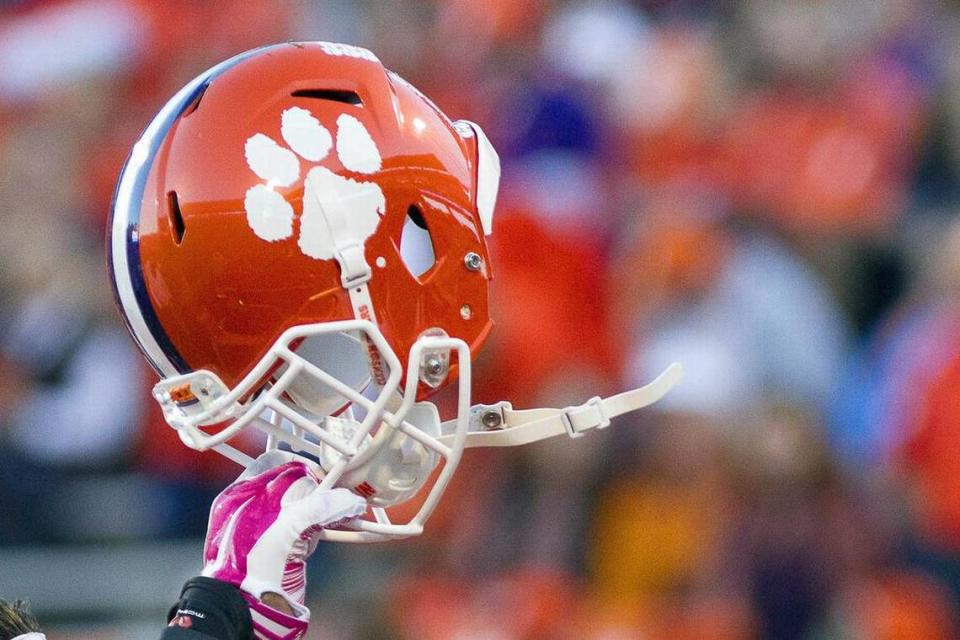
x=376 y=363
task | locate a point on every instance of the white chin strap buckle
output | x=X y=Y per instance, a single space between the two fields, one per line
x=584 y=413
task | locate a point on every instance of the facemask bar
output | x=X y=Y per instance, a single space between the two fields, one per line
x=200 y=399
x=450 y=450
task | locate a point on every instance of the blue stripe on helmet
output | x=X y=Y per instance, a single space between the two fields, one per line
x=149 y=144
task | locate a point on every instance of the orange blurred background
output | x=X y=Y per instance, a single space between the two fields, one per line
x=765 y=190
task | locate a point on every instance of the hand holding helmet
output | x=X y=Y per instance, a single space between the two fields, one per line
x=262 y=529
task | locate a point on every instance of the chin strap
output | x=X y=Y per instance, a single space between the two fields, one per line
x=500 y=425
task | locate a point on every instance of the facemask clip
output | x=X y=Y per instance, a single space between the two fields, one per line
x=434 y=362
x=185 y=397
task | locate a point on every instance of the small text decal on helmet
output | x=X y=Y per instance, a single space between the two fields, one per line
x=365 y=489
x=349 y=50
x=183 y=396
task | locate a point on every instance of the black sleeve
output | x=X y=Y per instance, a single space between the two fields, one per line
x=209 y=609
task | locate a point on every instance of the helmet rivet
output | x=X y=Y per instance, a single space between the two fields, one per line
x=491 y=419
x=433 y=365
x=466 y=312
x=472 y=261
x=434 y=361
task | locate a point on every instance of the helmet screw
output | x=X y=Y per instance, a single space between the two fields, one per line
x=433 y=365
x=472 y=261
x=491 y=419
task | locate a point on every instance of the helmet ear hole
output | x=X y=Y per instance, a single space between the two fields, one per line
x=416 y=243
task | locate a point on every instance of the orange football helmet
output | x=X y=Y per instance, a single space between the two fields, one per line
x=298 y=247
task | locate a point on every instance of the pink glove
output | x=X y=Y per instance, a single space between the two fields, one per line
x=262 y=529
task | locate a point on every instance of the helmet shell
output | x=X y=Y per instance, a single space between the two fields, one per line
x=200 y=290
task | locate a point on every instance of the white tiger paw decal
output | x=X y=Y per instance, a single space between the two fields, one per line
x=336 y=210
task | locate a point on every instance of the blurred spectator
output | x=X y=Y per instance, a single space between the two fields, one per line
x=765 y=190
x=749 y=319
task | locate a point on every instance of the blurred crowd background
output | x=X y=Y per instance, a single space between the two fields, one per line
x=765 y=190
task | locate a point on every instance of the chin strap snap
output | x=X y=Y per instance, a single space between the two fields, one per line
x=500 y=425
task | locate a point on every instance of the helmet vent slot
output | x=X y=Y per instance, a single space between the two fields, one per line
x=335 y=95
x=416 y=243
x=177 y=227
x=196 y=100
